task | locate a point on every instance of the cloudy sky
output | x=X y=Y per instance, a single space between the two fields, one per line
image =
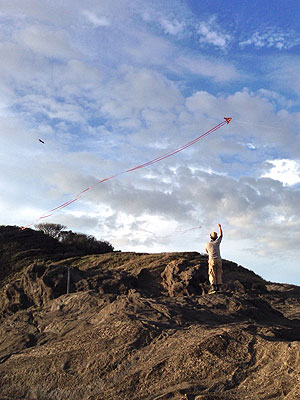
x=111 y=84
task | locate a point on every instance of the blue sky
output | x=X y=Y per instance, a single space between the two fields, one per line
x=108 y=85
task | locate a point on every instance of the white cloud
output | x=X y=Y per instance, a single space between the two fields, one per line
x=262 y=206
x=172 y=27
x=145 y=48
x=277 y=99
x=219 y=71
x=211 y=33
x=283 y=72
x=95 y=20
x=54 y=12
x=284 y=170
x=272 y=37
x=46 y=42
x=19 y=67
x=174 y=18
x=137 y=94
x=51 y=108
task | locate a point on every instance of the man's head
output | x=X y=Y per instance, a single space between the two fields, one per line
x=213 y=235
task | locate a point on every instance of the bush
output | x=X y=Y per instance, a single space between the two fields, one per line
x=80 y=241
x=52 y=230
x=85 y=242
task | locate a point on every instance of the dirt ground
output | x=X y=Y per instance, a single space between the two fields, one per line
x=143 y=327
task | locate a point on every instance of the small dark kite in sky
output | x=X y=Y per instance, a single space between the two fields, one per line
x=41 y=141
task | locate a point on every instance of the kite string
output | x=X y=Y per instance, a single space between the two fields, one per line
x=179 y=149
x=258 y=125
x=177 y=232
x=155 y=160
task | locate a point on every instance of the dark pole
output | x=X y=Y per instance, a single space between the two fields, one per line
x=68 y=281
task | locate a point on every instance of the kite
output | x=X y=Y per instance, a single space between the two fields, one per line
x=146 y=164
x=40 y=140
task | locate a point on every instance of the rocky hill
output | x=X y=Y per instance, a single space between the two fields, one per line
x=141 y=327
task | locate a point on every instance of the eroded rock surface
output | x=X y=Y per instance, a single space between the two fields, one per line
x=142 y=327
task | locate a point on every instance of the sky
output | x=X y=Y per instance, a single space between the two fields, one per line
x=108 y=85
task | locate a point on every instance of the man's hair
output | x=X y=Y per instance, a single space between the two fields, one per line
x=214 y=235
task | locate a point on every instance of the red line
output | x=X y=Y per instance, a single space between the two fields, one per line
x=155 y=160
x=179 y=149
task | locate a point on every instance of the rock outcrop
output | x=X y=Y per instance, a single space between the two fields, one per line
x=143 y=327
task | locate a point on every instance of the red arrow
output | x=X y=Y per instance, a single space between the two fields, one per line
x=227 y=120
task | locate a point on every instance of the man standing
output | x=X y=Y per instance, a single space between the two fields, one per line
x=212 y=248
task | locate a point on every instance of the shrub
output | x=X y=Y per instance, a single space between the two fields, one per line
x=88 y=243
x=52 y=230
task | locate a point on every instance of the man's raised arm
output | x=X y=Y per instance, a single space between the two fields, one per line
x=220 y=229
